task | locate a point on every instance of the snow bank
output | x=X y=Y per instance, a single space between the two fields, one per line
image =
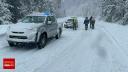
x=3 y=29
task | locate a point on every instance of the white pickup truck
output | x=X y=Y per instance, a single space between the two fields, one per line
x=34 y=28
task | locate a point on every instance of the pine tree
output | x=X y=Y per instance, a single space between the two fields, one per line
x=5 y=14
x=14 y=9
x=113 y=10
x=125 y=18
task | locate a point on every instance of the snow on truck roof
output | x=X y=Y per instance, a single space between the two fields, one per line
x=40 y=14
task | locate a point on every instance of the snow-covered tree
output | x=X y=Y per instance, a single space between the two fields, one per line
x=113 y=10
x=14 y=9
x=26 y=7
x=52 y=6
x=5 y=14
x=20 y=8
x=82 y=7
x=125 y=18
x=57 y=8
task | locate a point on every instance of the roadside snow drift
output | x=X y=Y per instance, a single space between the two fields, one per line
x=3 y=29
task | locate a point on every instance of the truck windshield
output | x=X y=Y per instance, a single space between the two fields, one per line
x=33 y=19
x=70 y=20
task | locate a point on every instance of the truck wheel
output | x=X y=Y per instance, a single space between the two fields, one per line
x=42 y=41
x=58 y=34
x=11 y=44
x=65 y=26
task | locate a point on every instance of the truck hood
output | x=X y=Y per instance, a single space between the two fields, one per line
x=24 y=26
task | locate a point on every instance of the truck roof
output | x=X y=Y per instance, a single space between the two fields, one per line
x=40 y=14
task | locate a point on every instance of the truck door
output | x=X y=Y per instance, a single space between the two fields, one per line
x=49 y=26
x=54 y=26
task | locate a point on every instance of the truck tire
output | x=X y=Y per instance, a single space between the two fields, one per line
x=42 y=42
x=58 y=34
x=11 y=44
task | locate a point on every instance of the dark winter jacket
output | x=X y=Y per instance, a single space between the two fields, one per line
x=92 y=22
x=90 y=18
x=86 y=21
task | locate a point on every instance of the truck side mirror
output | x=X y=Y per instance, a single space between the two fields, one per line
x=49 y=22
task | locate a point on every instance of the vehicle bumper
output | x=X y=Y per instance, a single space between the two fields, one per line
x=20 y=41
x=24 y=38
x=68 y=26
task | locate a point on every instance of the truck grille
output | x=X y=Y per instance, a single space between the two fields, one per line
x=18 y=37
x=18 y=32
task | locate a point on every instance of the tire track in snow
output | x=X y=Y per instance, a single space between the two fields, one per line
x=119 y=56
x=75 y=59
x=65 y=53
x=108 y=55
x=101 y=55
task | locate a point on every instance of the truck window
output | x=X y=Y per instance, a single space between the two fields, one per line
x=49 y=18
x=33 y=19
x=53 y=19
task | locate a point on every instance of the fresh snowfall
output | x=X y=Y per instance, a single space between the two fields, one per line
x=103 y=49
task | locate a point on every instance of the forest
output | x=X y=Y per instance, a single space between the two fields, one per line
x=107 y=10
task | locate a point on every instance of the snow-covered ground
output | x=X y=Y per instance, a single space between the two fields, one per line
x=101 y=50
x=3 y=29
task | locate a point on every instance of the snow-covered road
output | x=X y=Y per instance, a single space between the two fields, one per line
x=76 y=51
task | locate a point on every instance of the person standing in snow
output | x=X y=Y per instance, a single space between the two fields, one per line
x=86 y=22
x=92 y=23
x=74 y=24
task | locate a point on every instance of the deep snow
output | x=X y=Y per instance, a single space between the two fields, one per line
x=3 y=29
x=101 y=50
